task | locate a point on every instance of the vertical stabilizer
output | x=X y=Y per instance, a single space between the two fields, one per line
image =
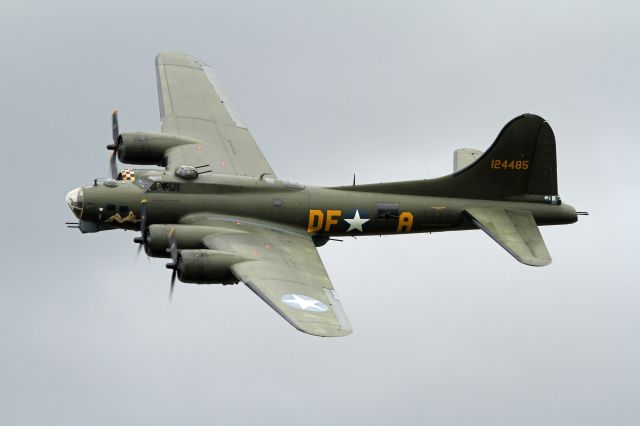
x=520 y=164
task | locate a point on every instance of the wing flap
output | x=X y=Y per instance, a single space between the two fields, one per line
x=193 y=104
x=287 y=274
x=516 y=231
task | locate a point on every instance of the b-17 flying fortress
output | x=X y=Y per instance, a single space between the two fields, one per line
x=221 y=215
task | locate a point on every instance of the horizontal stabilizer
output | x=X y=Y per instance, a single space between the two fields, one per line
x=464 y=157
x=515 y=230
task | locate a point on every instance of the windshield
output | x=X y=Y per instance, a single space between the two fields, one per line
x=143 y=183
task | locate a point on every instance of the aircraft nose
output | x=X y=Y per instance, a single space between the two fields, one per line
x=75 y=201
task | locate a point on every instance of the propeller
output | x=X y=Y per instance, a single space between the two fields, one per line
x=143 y=240
x=175 y=260
x=115 y=131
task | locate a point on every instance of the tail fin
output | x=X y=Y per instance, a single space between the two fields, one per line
x=521 y=162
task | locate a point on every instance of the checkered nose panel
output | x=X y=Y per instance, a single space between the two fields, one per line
x=127 y=175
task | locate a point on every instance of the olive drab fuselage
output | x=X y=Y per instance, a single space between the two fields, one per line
x=322 y=212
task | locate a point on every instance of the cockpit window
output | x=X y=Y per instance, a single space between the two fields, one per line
x=164 y=187
x=143 y=183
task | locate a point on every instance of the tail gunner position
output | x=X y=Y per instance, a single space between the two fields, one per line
x=221 y=215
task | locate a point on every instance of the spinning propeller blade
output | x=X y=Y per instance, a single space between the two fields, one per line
x=175 y=260
x=143 y=239
x=115 y=132
x=115 y=128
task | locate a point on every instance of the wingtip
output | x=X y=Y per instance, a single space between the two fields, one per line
x=172 y=57
x=534 y=261
x=323 y=331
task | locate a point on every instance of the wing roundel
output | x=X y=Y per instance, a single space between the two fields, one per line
x=284 y=269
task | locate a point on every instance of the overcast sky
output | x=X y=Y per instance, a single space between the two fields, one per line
x=448 y=328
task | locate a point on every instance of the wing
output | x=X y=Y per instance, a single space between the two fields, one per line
x=288 y=274
x=193 y=104
x=516 y=231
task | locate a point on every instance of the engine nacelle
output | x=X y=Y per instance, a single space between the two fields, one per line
x=148 y=147
x=208 y=266
x=187 y=237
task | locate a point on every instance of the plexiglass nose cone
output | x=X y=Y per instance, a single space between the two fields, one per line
x=74 y=200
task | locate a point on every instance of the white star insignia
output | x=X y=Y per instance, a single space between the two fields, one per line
x=305 y=303
x=356 y=222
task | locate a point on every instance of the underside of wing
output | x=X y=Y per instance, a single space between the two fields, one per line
x=193 y=104
x=312 y=309
x=286 y=272
x=516 y=231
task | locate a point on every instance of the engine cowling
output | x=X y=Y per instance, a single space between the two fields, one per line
x=187 y=237
x=207 y=266
x=148 y=148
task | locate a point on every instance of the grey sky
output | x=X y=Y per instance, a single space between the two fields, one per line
x=449 y=329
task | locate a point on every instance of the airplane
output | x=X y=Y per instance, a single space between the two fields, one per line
x=217 y=209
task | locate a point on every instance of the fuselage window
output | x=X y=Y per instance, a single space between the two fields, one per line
x=388 y=210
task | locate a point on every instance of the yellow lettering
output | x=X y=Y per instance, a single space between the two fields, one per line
x=405 y=222
x=331 y=218
x=509 y=164
x=316 y=219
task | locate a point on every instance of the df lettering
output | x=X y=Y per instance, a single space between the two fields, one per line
x=317 y=220
x=320 y=221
